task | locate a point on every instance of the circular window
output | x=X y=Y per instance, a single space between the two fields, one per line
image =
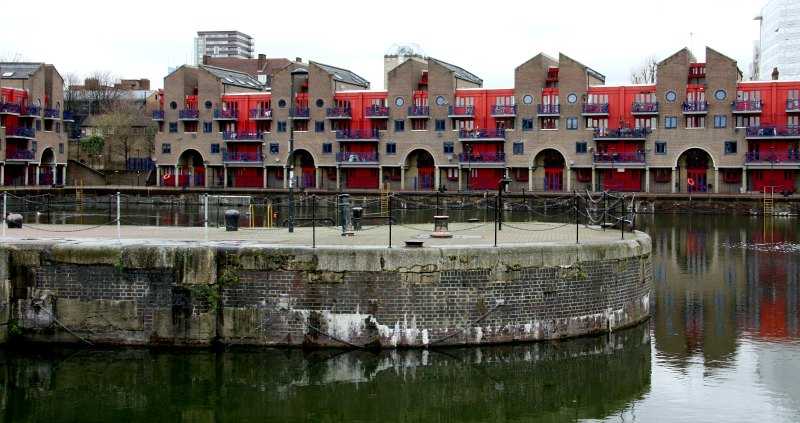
x=399 y=101
x=173 y=105
x=720 y=95
x=572 y=98
x=440 y=101
x=528 y=99
x=671 y=96
x=208 y=104
x=281 y=103
x=320 y=103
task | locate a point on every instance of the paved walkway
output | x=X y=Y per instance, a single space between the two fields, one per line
x=464 y=234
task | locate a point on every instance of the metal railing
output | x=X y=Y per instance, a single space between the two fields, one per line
x=32 y=111
x=773 y=131
x=596 y=108
x=242 y=156
x=461 y=110
x=226 y=114
x=482 y=157
x=10 y=108
x=746 y=106
x=631 y=157
x=793 y=105
x=504 y=110
x=621 y=133
x=188 y=114
x=376 y=111
x=548 y=109
x=21 y=132
x=419 y=111
x=338 y=112
x=357 y=157
x=301 y=112
x=158 y=115
x=260 y=113
x=52 y=113
x=242 y=136
x=789 y=156
x=695 y=106
x=20 y=154
x=644 y=107
x=480 y=134
x=357 y=134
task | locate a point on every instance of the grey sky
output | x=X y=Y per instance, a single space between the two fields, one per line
x=489 y=38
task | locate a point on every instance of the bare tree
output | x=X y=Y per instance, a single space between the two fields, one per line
x=71 y=86
x=101 y=92
x=124 y=128
x=646 y=72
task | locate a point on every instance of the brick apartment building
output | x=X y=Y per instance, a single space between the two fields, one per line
x=33 y=125
x=699 y=128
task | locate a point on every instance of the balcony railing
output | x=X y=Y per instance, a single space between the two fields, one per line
x=67 y=115
x=222 y=114
x=789 y=131
x=188 y=114
x=644 y=108
x=595 y=108
x=21 y=132
x=338 y=113
x=52 y=113
x=32 y=111
x=12 y=108
x=746 y=106
x=695 y=107
x=456 y=111
x=481 y=134
x=504 y=110
x=376 y=111
x=357 y=134
x=793 y=105
x=301 y=112
x=621 y=133
x=357 y=157
x=419 y=111
x=548 y=109
x=790 y=156
x=158 y=115
x=482 y=157
x=242 y=156
x=262 y=114
x=242 y=136
x=631 y=157
x=19 y=155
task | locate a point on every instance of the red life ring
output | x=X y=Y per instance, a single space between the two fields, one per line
x=690 y=181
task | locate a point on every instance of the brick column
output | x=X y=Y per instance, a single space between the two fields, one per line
x=2 y=175
x=264 y=183
x=205 y=176
x=36 y=174
x=286 y=177
x=27 y=174
x=594 y=180
x=744 y=181
x=672 y=180
x=317 y=178
x=647 y=179
x=569 y=179
x=175 y=175
x=437 y=178
x=402 y=178
x=338 y=178
x=460 y=177
x=716 y=180
x=530 y=178
x=380 y=177
x=224 y=177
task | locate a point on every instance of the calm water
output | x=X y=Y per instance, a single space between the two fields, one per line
x=723 y=345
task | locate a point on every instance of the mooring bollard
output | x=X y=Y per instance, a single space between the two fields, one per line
x=358 y=214
x=345 y=214
x=440 y=229
x=14 y=221
x=231 y=220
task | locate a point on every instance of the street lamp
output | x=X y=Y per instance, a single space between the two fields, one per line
x=302 y=72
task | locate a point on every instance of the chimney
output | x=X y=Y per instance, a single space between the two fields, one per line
x=262 y=61
x=775 y=74
x=144 y=84
x=298 y=59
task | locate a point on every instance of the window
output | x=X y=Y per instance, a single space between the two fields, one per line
x=440 y=125
x=419 y=125
x=670 y=122
x=695 y=122
x=720 y=121
x=173 y=127
x=648 y=123
x=274 y=148
x=527 y=124
x=792 y=120
x=730 y=147
x=596 y=123
x=327 y=148
x=300 y=125
x=166 y=148
x=214 y=148
x=190 y=127
x=747 y=121
x=319 y=126
x=661 y=147
x=519 y=148
x=207 y=127
x=448 y=148
x=282 y=126
x=548 y=123
x=61 y=148
x=580 y=147
x=391 y=148
x=173 y=105
x=572 y=123
x=399 y=126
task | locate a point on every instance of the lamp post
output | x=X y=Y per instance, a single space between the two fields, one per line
x=501 y=186
x=303 y=72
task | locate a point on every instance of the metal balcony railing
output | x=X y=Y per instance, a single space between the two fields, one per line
x=631 y=157
x=482 y=157
x=789 y=156
x=504 y=110
x=338 y=112
x=52 y=113
x=376 y=111
x=595 y=108
x=419 y=111
x=242 y=156
x=220 y=114
x=624 y=133
x=695 y=106
x=158 y=115
x=20 y=155
x=548 y=109
x=747 y=106
x=21 y=132
x=67 y=115
x=479 y=134
x=357 y=134
x=793 y=105
x=260 y=113
x=357 y=157
x=12 y=108
x=773 y=131
x=32 y=111
x=646 y=107
x=188 y=114
x=242 y=136
x=301 y=112
x=461 y=111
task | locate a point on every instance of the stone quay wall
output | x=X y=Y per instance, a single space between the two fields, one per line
x=198 y=294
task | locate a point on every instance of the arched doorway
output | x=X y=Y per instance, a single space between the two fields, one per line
x=47 y=167
x=304 y=169
x=420 y=170
x=191 y=169
x=549 y=169
x=693 y=171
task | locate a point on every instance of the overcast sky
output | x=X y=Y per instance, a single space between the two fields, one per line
x=489 y=38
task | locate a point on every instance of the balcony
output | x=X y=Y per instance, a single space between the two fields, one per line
x=619 y=158
x=548 y=109
x=773 y=132
x=419 y=112
x=695 y=107
x=482 y=135
x=68 y=117
x=358 y=135
x=793 y=105
x=253 y=157
x=301 y=113
x=640 y=109
x=482 y=158
x=261 y=114
x=21 y=132
x=242 y=136
x=621 y=134
x=356 y=158
x=461 y=111
x=158 y=115
x=20 y=155
x=338 y=113
x=52 y=114
x=222 y=114
x=595 y=109
x=188 y=114
x=376 y=112
x=504 y=111
x=773 y=157
x=10 y=108
x=32 y=111
x=746 y=107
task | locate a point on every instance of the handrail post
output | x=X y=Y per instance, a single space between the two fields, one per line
x=119 y=229
x=313 y=221
x=390 y=220
x=5 y=212
x=575 y=201
x=496 y=205
x=205 y=215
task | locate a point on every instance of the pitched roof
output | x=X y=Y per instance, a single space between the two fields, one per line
x=18 y=70
x=344 y=75
x=460 y=72
x=252 y=67
x=232 y=77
